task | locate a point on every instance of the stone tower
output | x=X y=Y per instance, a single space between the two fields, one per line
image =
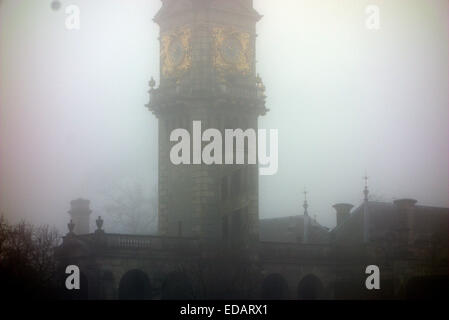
x=80 y=215
x=207 y=74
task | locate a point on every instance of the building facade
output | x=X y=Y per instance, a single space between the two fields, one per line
x=211 y=243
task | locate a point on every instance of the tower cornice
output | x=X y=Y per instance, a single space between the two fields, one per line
x=173 y=9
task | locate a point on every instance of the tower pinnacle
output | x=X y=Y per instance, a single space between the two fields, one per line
x=366 y=191
x=306 y=220
x=305 y=205
x=366 y=217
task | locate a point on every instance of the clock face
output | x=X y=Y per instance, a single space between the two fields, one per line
x=231 y=50
x=176 y=51
x=176 y=57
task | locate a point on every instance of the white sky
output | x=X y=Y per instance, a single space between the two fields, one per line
x=344 y=99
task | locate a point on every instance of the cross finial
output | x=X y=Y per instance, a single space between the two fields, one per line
x=366 y=191
x=71 y=227
x=305 y=205
x=366 y=179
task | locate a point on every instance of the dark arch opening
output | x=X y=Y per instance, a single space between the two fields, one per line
x=274 y=287
x=134 y=285
x=177 y=286
x=310 y=288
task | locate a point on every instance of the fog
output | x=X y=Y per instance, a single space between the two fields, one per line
x=345 y=99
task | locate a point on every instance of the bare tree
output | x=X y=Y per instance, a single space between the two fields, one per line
x=27 y=264
x=132 y=210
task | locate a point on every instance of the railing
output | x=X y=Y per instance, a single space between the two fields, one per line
x=123 y=241
x=170 y=94
x=266 y=250
x=128 y=241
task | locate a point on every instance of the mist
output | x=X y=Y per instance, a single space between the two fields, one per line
x=344 y=99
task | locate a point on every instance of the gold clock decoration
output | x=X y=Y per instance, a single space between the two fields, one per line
x=176 y=52
x=232 y=51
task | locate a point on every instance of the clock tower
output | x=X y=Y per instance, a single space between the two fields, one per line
x=207 y=74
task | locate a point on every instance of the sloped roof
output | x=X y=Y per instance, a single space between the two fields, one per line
x=285 y=229
x=170 y=7
x=239 y=6
x=384 y=215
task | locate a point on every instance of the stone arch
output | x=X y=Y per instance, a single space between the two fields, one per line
x=177 y=286
x=134 y=285
x=107 y=285
x=310 y=288
x=274 y=287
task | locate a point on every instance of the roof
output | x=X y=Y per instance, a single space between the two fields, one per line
x=386 y=216
x=285 y=229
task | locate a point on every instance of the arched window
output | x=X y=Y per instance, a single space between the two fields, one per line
x=310 y=288
x=224 y=188
x=134 y=285
x=236 y=183
x=274 y=287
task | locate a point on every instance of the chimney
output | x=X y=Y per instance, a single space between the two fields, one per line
x=405 y=219
x=343 y=211
x=80 y=215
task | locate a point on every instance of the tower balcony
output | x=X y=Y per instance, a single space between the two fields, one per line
x=249 y=98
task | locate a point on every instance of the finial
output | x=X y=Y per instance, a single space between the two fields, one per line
x=152 y=83
x=305 y=205
x=366 y=191
x=71 y=226
x=259 y=84
x=99 y=223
